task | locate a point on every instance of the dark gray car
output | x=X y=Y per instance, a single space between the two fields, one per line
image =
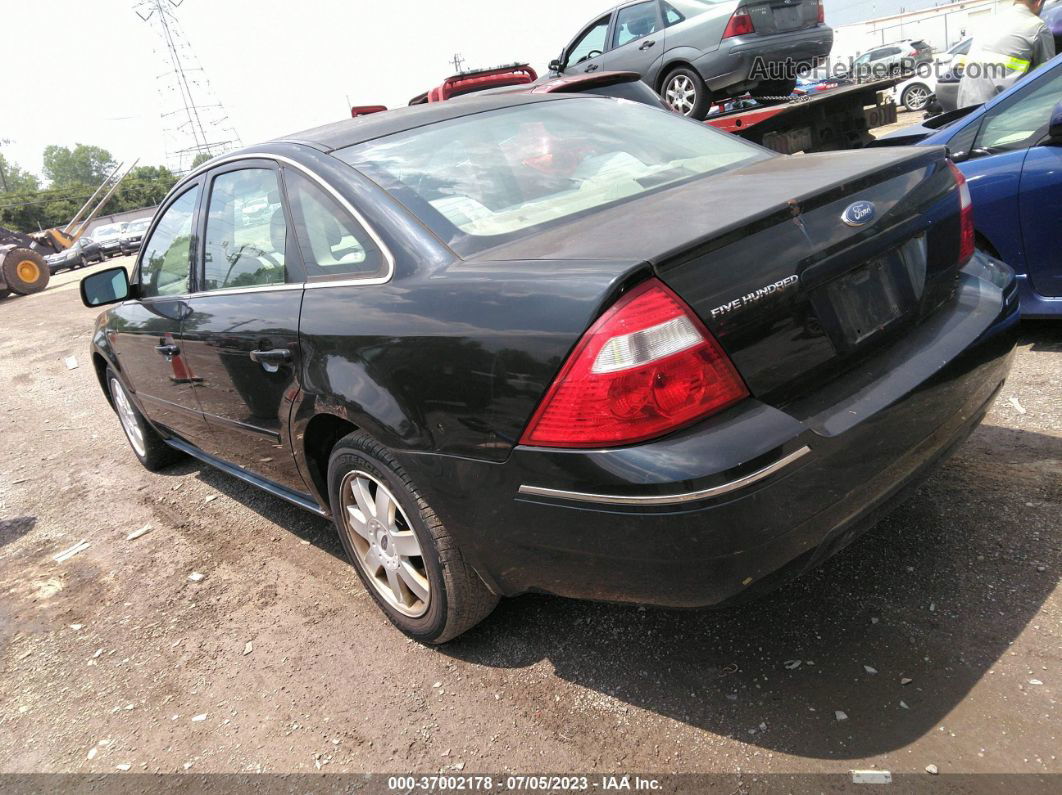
x=696 y=52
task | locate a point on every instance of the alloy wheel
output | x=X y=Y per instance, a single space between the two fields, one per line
x=681 y=94
x=916 y=97
x=128 y=418
x=385 y=544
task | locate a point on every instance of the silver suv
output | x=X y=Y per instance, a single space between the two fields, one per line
x=697 y=52
x=891 y=60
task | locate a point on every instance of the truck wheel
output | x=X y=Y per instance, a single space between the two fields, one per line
x=408 y=561
x=685 y=93
x=25 y=271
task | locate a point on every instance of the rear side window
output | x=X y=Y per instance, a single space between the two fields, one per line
x=166 y=263
x=678 y=11
x=332 y=242
x=635 y=22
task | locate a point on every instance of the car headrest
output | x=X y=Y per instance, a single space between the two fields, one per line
x=641 y=26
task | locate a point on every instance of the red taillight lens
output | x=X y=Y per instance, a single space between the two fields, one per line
x=739 y=25
x=969 y=232
x=648 y=366
x=822 y=12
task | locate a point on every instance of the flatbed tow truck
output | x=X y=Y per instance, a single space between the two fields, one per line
x=826 y=122
x=829 y=121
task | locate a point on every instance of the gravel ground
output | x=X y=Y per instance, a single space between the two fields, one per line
x=934 y=640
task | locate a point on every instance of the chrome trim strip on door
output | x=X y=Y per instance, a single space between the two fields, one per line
x=671 y=499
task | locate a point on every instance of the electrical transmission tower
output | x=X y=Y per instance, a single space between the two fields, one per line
x=194 y=120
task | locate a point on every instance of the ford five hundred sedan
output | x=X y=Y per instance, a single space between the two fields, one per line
x=563 y=344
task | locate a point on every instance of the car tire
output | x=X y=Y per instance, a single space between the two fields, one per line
x=916 y=93
x=146 y=442
x=684 y=92
x=25 y=271
x=408 y=561
x=81 y=263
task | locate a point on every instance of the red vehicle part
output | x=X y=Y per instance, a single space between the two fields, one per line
x=366 y=110
x=469 y=82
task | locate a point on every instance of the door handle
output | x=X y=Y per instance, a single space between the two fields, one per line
x=592 y=68
x=167 y=350
x=271 y=360
x=647 y=45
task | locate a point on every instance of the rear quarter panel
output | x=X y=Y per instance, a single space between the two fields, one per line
x=450 y=362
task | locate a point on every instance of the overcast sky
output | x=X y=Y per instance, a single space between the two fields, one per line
x=87 y=70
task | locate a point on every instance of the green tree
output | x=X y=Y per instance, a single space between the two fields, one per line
x=144 y=186
x=13 y=179
x=82 y=165
x=199 y=159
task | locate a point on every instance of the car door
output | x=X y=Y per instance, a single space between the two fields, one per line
x=586 y=53
x=1040 y=208
x=637 y=40
x=147 y=330
x=1015 y=182
x=241 y=337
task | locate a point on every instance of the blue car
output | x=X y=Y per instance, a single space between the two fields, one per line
x=1010 y=150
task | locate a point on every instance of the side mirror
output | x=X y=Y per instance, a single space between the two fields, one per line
x=105 y=287
x=557 y=65
x=1054 y=131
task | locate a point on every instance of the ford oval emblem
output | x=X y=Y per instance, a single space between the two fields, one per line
x=860 y=214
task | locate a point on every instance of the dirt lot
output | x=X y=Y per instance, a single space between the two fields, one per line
x=278 y=661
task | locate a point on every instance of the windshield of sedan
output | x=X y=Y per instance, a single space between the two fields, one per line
x=483 y=179
x=137 y=226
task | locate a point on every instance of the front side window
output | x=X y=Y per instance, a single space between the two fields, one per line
x=166 y=263
x=332 y=242
x=635 y=22
x=246 y=231
x=1021 y=123
x=481 y=179
x=591 y=44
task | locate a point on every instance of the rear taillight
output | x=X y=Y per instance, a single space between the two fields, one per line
x=969 y=233
x=739 y=25
x=647 y=367
x=822 y=12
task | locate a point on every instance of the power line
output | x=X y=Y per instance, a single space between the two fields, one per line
x=194 y=120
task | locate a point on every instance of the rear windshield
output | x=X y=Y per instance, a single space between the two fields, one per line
x=485 y=179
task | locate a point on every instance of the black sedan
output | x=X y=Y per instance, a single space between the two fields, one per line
x=563 y=344
x=84 y=251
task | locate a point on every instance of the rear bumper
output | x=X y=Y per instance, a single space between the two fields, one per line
x=828 y=477
x=731 y=65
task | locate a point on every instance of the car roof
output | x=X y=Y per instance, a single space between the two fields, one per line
x=350 y=132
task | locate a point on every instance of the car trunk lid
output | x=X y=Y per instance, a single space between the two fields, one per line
x=782 y=16
x=795 y=295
